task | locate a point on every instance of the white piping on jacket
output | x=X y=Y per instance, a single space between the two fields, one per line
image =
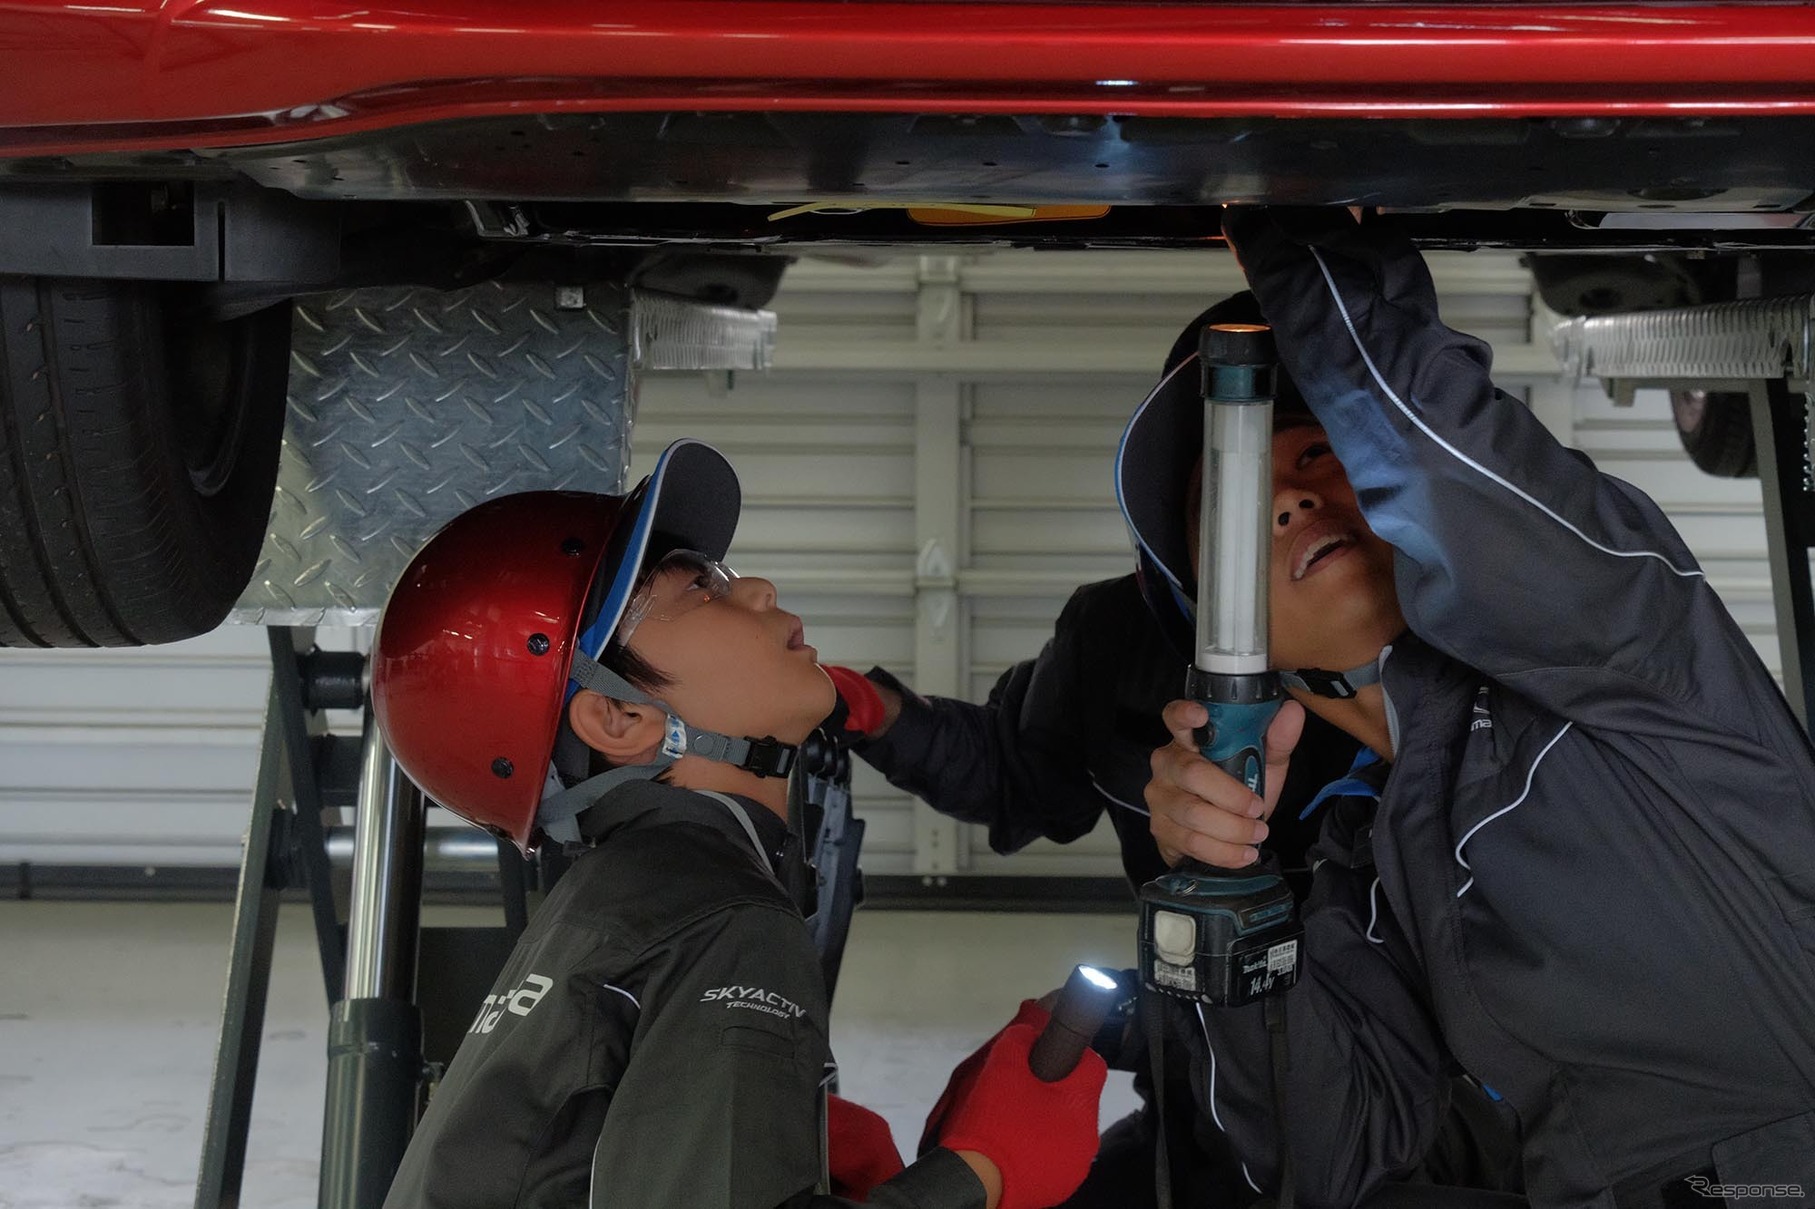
x=1530 y=774
x=1380 y=380
x=1098 y=786
x=625 y=994
x=1214 y=1115
x=1374 y=912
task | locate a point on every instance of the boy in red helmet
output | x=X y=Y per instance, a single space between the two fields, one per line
x=582 y=669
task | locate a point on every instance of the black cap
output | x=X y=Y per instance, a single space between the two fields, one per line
x=1165 y=436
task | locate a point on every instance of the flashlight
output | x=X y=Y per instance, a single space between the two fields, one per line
x=1083 y=1005
x=1230 y=675
x=1228 y=936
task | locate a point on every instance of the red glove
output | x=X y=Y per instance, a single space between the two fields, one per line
x=964 y=1075
x=1040 y=1136
x=859 y=711
x=859 y=1148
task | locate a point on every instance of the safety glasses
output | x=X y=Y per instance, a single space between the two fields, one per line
x=679 y=582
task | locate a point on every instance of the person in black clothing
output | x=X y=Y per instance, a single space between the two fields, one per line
x=581 y=669
x=1070 y=734
x=1587 y=876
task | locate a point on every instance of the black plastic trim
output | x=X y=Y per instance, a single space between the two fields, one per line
x=199 y=232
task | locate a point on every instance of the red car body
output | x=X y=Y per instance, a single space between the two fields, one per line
x=217 y=73
x=188 y=167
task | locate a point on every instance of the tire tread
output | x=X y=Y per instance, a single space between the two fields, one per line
x=104 y=540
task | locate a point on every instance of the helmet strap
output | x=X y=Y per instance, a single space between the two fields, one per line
x=559 y=814
x=766 y=757
x=1337 y=685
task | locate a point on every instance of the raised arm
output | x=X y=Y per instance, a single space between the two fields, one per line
x=1516 y=555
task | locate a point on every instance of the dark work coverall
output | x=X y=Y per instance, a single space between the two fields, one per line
x=1590 y=878
x=1064 y=737
x=657 y=1039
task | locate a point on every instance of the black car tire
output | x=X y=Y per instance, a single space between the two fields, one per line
x=1716 y=430
x=138 y=455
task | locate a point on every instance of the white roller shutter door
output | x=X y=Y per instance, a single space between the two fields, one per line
x=1722 y=520
x=133 y=757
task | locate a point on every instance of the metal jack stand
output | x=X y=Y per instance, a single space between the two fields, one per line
x=378 y=1046
x=285 y=847
x=1765 y=347
x=375 y=1060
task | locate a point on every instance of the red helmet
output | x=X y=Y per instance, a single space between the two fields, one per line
x=470 y=669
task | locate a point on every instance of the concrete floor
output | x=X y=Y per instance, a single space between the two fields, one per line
x=109 y=1012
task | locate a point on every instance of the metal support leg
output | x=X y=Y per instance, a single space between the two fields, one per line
x=375 y=1033
x=310 y=851
x=1780 y=425
x=285 y=848
x=261 y=877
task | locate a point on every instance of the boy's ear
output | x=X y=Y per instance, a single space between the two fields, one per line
x=622 y=732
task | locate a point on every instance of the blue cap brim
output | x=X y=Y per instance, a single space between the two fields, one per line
x=692 y=499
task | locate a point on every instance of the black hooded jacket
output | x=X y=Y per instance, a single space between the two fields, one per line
x=1589 y=880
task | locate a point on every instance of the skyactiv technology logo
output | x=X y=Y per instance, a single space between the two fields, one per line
x=755 y=999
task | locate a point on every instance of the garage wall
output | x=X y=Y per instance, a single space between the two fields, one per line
x=1721 y=519
x=926 y=476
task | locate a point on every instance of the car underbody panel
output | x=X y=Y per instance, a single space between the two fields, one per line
x=777 y=180
x=1713 y=167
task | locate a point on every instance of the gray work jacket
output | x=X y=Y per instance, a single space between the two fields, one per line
x=1590 y=878
x=657 y=1039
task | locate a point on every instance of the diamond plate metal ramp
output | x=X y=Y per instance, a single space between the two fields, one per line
x=408 y=406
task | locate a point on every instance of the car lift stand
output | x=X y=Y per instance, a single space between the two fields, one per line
x=375 y=1065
